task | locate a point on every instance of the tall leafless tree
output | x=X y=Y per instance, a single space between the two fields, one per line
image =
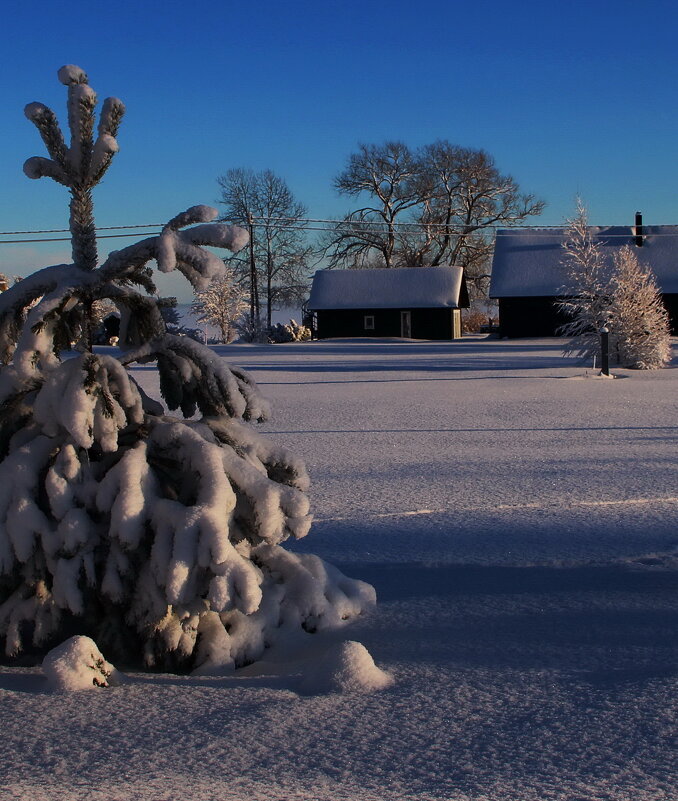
x=388 y=177
x=436 y=205
x=275 y=263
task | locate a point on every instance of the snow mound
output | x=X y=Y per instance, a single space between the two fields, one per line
x=77 y=664
x=346 y=667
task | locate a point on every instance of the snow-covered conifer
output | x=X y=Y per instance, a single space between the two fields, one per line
x=638 y=318
x=221 y=304
x=157 y=535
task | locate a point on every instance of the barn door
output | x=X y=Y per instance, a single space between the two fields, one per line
x=406 y=324
x=456 y=323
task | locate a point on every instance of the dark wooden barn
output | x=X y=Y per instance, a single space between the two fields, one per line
x=413 y=303
x=528 y=276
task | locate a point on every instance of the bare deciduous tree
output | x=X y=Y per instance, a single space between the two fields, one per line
x=436 y=205
x=276 y=261
x=388 y=176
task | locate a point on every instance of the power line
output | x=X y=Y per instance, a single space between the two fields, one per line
x=324 y=225
x=67 y=230
x=379 y=225
x=503 y=227
x=285 y=223
x=298 y=222
x=65 y=238
x=602 y=234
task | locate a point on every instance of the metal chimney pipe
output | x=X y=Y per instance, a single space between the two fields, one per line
x=639 y=230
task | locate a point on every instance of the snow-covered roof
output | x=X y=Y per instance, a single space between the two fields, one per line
x=411 y=287
x=527 y=261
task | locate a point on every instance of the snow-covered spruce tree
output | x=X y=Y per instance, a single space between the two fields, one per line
x=158 y=536
x=221 y=304
x=585 y=289
x=638 y=319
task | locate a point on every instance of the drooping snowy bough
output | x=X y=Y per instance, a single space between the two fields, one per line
x=157 y=535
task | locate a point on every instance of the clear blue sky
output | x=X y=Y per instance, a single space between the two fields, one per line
x=569 y=98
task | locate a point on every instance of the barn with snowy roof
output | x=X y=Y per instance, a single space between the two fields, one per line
x=528 y=275
x=416 y=303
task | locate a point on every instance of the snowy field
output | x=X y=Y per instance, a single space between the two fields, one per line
x=518 y=520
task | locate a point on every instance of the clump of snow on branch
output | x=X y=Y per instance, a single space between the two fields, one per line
x=181 y=250
x=77 y=664
x=158 y=535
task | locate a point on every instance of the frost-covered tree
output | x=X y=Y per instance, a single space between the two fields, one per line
x=621 y=296
x=221 y=304
x=585 y=288
x=637 y=316
x=157 y=535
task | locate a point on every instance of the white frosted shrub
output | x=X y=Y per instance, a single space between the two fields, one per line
x=289 y=332
x=638 y=318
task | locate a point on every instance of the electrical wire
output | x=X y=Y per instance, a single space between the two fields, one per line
x=67 y=230
x=65 y=239
x=325 y=225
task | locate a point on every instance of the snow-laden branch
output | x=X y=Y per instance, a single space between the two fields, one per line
x=172 y=249
x=194 y=377
x=175 y=249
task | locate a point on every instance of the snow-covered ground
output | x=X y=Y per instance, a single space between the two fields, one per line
x=518 y=520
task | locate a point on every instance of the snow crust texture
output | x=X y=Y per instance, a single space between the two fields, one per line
x=518 y=522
